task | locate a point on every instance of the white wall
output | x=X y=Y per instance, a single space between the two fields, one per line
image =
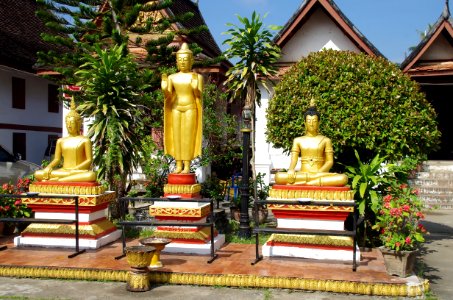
x=35 y=113
x=317 y=33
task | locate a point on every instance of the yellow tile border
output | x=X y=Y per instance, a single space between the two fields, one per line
x=228 y=280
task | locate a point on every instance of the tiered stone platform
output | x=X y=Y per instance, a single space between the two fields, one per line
x=232 y=268
x=185 y=239
x=95 y=230
x=311 y=216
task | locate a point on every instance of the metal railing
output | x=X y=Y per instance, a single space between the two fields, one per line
x=49 y=221
x=123 y=223
x=350 y=233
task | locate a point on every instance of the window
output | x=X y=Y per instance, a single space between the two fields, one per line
x=51 y=145
x=18 y=92
x=52 y=99
x=19 y=144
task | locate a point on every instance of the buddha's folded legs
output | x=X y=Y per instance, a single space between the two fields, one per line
x=314 y=179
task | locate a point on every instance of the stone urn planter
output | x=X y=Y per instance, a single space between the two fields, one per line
x=399 y=263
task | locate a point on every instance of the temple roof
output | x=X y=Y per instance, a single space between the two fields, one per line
x=20 y=32
x=434 y=54
x=204 y=39
x=307 y=8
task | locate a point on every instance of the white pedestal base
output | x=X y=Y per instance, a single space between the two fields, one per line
x=201 y=249
x=310 y=224
x=49 y=242
x=330 y=254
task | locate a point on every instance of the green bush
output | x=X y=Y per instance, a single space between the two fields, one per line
x=365 y=103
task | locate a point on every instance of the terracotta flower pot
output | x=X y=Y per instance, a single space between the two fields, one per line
x=399 y=263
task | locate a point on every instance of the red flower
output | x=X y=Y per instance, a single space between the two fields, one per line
x=18 y=202
x=397 y=244
x=406 y=208
x=421 y=228
x=420 y=215
x=403 y=186
x=387 y=198
x=408 y=240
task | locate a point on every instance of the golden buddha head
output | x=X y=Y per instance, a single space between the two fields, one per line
x=73 y=120
x=184 y=58
x=311 y=117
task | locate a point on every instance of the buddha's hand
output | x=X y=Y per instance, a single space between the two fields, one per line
x=46 y=173
x=291 y=175
x=164 y=83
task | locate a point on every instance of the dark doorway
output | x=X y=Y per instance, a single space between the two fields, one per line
x=440 y=96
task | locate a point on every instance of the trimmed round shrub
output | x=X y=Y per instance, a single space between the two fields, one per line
x=366 y=103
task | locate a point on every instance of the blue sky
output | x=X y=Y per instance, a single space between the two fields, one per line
x=391 y=25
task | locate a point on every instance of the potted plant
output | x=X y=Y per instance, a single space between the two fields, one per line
x=400 y=230
x=13 y=207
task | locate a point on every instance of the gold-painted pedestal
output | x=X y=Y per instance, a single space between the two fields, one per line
x=138 y=258
x=159 y=244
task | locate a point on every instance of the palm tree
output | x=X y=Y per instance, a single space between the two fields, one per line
x=252 y=45
x=112 y=88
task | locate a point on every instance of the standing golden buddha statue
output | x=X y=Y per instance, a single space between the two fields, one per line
x=183 y=111
x=316 y=154
x=76 y=152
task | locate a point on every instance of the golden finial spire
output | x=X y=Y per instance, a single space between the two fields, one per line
x=184 y=49
x=73 y=110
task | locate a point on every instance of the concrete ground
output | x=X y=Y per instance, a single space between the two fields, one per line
x=436 y=264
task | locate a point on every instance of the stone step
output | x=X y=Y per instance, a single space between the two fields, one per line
x=437 y=201
x=438 y=165
x=434 y=190
x=434 y=175
x=427 y=182
x=435 y=184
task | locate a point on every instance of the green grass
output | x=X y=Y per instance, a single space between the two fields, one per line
x=232 y=235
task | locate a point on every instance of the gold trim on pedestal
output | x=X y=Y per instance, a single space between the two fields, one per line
x=231 y=280
x=191 y=212
x=202 y=235
x=84 y=200
x=182 y=188
x=302 y=207
x=67 y=189
x=311 y=194
x=90 y=229
x=339 y=241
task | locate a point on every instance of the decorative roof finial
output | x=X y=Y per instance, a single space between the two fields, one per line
x=446 y=12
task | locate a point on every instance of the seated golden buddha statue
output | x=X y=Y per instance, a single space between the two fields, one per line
x=316 y=154
x=76 y=152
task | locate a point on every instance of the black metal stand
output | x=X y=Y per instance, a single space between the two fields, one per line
x=50 y=221
x=244 y=220
x=209 y=222
x=348 y=233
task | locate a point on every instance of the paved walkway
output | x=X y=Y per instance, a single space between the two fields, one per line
x=436 y=263
x=437 y=253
